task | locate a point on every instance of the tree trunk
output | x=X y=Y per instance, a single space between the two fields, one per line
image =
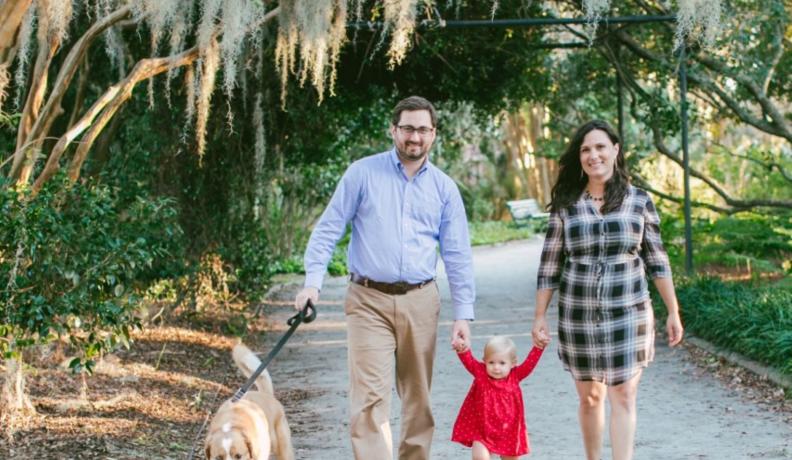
x=22 y=164
x=102 y=149
x=16 y=407
x=11 y=14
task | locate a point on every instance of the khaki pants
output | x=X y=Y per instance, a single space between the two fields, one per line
x=386 y=331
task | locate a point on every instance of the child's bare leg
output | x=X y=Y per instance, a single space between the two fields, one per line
x=504 y=457
x=480 y=452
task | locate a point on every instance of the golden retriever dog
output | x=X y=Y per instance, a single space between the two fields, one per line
x=253 y=427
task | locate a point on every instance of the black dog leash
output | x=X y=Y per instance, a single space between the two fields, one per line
x=303 y=316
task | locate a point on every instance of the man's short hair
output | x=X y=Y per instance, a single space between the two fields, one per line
x=412 y=104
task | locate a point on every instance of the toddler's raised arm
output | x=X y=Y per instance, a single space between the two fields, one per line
x=527 y=366
x=471 y=364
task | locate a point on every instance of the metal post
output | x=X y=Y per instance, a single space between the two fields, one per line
x=685 y=160
x=620 y=105
x=620 y=102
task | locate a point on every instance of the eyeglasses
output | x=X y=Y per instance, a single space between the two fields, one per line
x=409 y=130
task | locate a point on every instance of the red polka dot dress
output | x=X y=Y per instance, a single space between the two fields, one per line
x=493 y=412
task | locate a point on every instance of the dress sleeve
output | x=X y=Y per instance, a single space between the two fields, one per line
x=552 y=260
x=652 y=251
x=527 y=366
x=471 y=364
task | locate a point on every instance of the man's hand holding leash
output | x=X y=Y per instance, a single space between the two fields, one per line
x=306 y=294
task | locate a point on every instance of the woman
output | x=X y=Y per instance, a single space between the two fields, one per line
x=602 y=241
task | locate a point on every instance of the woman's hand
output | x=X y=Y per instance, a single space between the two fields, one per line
x=674 y=329
x=539 y=333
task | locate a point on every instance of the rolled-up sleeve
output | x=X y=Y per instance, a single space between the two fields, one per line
x=552 y=260
x=652 y=251
x=331 y=227
x=457 y=255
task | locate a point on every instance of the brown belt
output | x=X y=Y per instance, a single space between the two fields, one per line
x=398 y=288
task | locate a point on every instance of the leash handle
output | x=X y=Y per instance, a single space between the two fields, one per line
x=306 y=315
x=303 y=314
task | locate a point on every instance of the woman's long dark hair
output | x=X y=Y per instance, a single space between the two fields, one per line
x=572 y=180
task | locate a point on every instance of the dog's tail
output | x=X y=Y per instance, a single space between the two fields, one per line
x=248 y=362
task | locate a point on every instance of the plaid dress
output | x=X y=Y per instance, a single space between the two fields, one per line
x=599 y=263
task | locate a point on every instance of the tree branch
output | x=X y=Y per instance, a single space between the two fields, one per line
x=52 y=109
x=646 y=186
x=98 y=115
x=143 y=70
x=82 y=82
x=104 y=108
x=735 y=203
x=706 y=84
x=761 y=97
x=53 y=162
x=766 y=165
x=664 y=150
x=778 y=44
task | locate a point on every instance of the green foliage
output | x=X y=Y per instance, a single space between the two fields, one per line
x=492 y=232
x=294 y=263
x=252 y=260
x=468 y=148
x=291 y=201
x=338 y=263
x=9 y=120
x=755 y=321
x=761 y=242
x=73 y=259
x=490 y=67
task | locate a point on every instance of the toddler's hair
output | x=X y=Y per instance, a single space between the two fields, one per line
x=501 y=344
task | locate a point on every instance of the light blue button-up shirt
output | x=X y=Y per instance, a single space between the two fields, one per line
x=397 y=223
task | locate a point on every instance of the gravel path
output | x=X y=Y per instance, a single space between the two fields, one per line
x=683 y=413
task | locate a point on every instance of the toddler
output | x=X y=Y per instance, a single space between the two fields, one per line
x=492 y=420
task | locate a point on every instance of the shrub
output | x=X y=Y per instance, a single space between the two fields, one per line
x=72 y=260
x=496 y=231
x=755 y=321
x=761 y=242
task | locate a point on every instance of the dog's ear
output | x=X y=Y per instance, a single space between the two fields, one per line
x=208 y=451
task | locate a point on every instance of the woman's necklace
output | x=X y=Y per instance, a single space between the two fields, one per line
x=589 y=196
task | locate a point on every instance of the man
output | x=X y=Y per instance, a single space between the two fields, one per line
x=401 y=206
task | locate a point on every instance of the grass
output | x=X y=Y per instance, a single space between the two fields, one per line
x=492 y=232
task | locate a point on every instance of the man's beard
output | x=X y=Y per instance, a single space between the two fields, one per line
x=406 y=154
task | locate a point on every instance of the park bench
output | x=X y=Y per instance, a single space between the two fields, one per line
x=527 y=212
